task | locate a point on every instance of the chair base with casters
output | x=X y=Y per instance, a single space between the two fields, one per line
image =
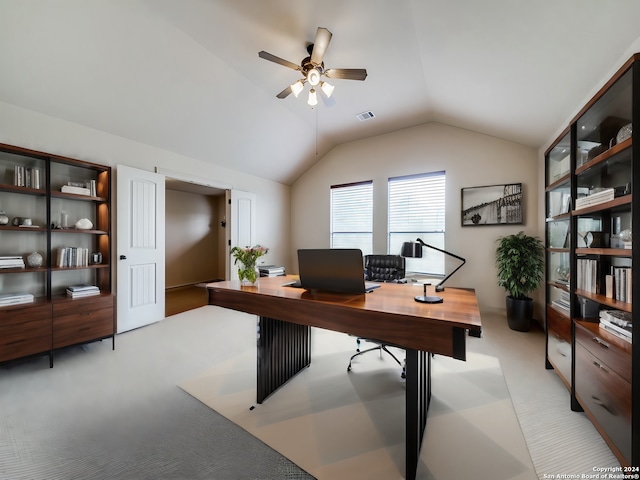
x=381 y=268
x=380 y=346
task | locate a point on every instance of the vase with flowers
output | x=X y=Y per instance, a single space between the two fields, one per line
x=248 y=258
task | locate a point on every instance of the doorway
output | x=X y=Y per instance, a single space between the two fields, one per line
x=195 y=243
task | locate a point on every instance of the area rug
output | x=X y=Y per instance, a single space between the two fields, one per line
x=350 y=425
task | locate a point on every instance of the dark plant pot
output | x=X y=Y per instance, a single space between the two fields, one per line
x=519 y=313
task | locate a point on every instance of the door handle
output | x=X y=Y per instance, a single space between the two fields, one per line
x=123 y=257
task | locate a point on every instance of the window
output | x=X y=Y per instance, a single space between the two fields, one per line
x=417 y=210
x=352 y=216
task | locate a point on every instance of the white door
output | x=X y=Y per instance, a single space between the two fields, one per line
x=140 y=247
x=241 y=209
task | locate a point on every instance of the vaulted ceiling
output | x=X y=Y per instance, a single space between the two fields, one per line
x=185 y=76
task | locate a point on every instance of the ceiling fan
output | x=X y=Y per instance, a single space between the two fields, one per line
x=312 y=69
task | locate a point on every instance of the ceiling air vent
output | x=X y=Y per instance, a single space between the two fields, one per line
x=365 y=116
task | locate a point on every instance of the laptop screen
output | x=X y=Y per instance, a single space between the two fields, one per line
x=333 y=270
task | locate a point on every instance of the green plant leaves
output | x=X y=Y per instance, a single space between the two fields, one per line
x=520 y=262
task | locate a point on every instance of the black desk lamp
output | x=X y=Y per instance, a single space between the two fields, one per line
x=414 y=250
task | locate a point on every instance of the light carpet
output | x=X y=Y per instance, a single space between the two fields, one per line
x=337 y=424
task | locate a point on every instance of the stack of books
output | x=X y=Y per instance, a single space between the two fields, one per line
x=617 y=322
x=75 y=190
x=595 y=197
x=11 y=262
x=80 y=188
x=15 y=299
x=563 y=303
x=271 y=270
x=76 y=291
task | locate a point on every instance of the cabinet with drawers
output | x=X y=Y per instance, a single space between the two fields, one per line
x=55 y=232
x=592 y=274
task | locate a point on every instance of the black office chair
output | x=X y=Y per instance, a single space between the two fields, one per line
x=381 y=268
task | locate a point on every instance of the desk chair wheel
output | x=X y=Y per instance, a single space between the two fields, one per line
x=382 y=348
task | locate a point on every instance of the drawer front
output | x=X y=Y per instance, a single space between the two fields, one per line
x=17 y=314
x=559 y=324
x=607 y=396
x=69 y=306
x=26 y=331
x=559 y=344
x=559 y=353
x=82 y=326
x=610 y=354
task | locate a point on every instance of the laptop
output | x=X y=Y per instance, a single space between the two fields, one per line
x=333 y=270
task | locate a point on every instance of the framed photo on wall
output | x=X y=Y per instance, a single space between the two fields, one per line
x=492 y=205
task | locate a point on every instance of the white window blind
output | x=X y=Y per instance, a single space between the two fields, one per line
x=352 y=216
x=417 y=210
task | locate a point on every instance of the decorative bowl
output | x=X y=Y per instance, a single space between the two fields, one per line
x=84 y=224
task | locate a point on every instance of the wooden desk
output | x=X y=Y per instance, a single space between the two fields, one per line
x=389 y=314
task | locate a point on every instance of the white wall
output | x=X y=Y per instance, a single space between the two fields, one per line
x=36 y=131
x=469 y=159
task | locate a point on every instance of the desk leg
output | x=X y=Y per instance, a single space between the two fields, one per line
x=418 y=395
x=283 y=350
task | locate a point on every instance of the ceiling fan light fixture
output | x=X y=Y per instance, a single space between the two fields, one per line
x=313 y=98
x=327 y=88
x=313 y=77
x=296 y=88
x=313 y=70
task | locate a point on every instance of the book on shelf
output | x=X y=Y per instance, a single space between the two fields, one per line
x=76 y=291
x=595 y=197
x=15 y=298
x=621 y=283
x=563 y=303
x=617 y=331
x=10 y=257
x=617 y=322
x=620 y=318
x=564 y=308
x=26 y=177
x=73 y=257
x=82 y=288
x=586 y=275
x=11 y=262
x=615 y=328
x=82 y=294
x=75 y=190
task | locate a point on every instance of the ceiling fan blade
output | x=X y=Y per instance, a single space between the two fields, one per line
x=323 y=37
x=347 y=73
x=284 y=93
x=281 y=61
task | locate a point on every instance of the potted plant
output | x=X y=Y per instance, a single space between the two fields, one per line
x=520 y=262
x=248 y=258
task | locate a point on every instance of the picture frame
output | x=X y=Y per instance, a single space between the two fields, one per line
x=500 y=204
